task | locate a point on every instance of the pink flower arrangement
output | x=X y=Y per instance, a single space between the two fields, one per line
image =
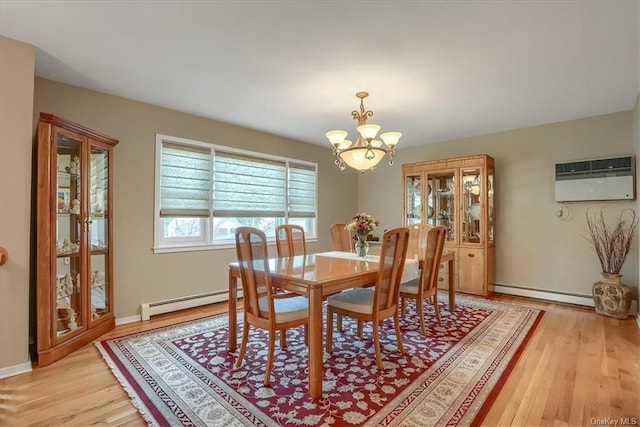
x=362 y=224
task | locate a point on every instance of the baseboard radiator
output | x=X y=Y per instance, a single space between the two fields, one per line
x=160 y=307
x=556 y=296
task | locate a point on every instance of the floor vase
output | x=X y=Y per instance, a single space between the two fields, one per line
x=611 y=297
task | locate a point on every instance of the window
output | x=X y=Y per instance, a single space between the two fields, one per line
x=204 y=191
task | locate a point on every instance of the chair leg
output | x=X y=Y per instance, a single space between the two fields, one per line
x=376 y=344
x=403 y=306
x=306 y=335
x=330 y=330
x=420 y=310
x=272 y=346
x=396 y=321
x=339 y=316
x=359 y=328
x=243 y=346
x=283 y=338
x=437 y=308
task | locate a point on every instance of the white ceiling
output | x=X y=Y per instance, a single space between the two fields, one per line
x=434 y=70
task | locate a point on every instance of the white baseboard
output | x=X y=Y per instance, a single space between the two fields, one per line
x=555 y=296
x=558 y=296
x=166 y=306
x=10 y=371
x=128 y=319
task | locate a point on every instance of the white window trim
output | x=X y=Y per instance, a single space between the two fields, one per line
x=207 y=244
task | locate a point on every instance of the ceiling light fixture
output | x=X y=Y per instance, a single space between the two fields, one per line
x=366 y=152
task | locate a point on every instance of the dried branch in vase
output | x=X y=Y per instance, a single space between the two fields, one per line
x=612 y=244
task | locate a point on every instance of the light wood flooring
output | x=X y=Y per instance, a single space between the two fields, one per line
x=578 y=369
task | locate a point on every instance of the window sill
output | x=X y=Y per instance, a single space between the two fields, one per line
x=194 y=248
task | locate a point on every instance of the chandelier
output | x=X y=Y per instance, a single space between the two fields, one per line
x=366 y=152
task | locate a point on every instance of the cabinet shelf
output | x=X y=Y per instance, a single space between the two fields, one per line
x=68 y=255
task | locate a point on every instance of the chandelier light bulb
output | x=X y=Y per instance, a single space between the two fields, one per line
x=368 y=131
x=336 y=136
x=391 y=138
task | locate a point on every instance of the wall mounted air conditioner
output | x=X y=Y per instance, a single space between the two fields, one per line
x=597 y=179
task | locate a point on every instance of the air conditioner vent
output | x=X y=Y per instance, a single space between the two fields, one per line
x=619 y=166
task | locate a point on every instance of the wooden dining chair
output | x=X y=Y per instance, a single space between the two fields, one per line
x=417 y=241
x=341 y=239
x=426 y=286
x=263 y=307
x=379 y=302
x=290 y=240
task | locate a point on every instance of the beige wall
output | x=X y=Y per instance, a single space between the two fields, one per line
x=16 y=106
x=534 y=248
x=140 y=275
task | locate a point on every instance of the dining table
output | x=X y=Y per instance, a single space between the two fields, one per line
x=318 y=276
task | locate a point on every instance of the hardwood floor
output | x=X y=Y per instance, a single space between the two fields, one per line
x=578 y=369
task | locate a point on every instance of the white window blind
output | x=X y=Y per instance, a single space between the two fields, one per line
x=185 y=182
x=246 y=186
x=205 y=191
x=302 y=191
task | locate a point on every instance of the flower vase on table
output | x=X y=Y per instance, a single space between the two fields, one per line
x=362 y=225
x=362 y=246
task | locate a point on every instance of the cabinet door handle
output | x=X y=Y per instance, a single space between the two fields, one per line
x=471 y=255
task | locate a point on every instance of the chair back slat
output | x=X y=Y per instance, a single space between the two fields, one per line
x=392 y=258
x=341 y=239
x=433 y=240
x=417 y=241
x=253 y=259
x=290 y=240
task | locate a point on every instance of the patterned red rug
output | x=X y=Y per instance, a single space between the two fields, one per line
x=184 y=375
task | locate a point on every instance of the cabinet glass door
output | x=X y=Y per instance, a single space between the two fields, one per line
x=413 y=188
x=98 y=228
x=441 y=201
x=68 y=315
x=491 y=220
x=472 y=214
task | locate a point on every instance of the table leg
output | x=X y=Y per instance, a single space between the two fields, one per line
x=452 y=286
x=315 y=343
x=233 y=299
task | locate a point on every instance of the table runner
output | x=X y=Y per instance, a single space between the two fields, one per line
x=409 y=272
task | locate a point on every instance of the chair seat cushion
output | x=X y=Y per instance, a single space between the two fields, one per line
x=410 y=287
x=359 y=300
x=288 y=309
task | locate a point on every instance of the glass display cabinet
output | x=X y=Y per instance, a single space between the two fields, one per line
x=458 y=194
x=74 y=224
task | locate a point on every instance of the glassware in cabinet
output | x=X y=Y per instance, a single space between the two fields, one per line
x=472 y=206
x=443 y=190
x=413 y=199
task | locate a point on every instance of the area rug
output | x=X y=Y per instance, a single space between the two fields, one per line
x=184 y=375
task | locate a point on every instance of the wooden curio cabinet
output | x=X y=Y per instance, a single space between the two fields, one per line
x=457 y=193
x=75 y=237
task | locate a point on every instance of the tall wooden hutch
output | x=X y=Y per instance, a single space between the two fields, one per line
x=457 y=193
x=75 y=237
